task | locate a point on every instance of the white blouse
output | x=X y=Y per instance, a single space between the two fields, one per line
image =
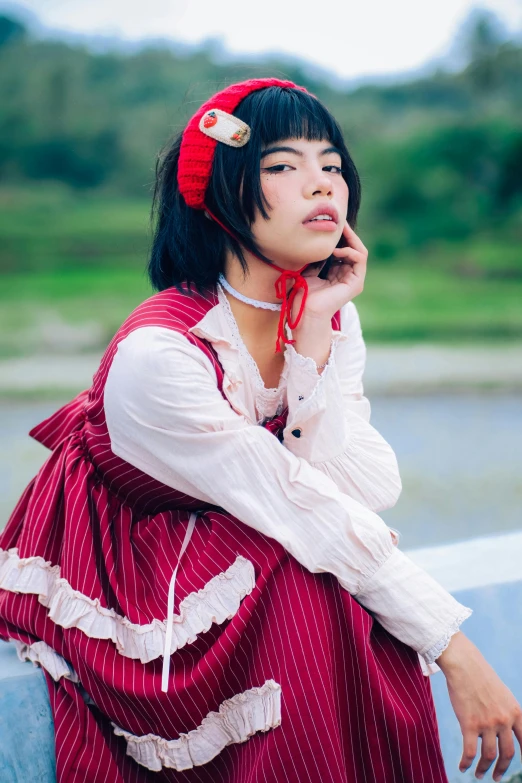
x=317 y=493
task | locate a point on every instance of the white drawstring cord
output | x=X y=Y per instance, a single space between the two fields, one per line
x=170 y=607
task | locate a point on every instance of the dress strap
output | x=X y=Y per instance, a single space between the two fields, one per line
x=170 y=606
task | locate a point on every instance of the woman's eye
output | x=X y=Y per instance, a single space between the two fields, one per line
x=339 y=169
x=278 y=167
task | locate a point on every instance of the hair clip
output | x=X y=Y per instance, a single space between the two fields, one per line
x=224 y=127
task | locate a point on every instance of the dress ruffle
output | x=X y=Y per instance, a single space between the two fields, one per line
x=216 y=602
x=257 y=709
x=42 y=655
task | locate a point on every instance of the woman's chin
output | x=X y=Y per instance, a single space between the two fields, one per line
x=312 y=255
x=298 y=262
x=302 y=253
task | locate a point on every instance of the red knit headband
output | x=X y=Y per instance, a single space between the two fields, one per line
x=197 y=150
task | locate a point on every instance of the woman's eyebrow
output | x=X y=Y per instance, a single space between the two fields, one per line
x=329 y=150
x=271 y=150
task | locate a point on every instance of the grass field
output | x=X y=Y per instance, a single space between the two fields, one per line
x=73 y=266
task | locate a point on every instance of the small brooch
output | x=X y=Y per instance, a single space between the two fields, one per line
x=239 y=135
x=210 y=119
x=224 y=127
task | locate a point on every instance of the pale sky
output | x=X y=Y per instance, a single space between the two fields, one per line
x=370 y=37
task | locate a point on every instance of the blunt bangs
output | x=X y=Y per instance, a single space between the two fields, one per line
x=281 y=113
x=187 y=246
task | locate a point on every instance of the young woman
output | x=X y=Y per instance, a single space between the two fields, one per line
x=199 y=567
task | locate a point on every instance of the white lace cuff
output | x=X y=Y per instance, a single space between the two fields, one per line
x=304 y=380
x=438 y=648
x=316 y=427
x=412 y=606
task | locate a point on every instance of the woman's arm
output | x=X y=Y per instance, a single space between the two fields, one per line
x=166 y=416
x=483 y=704
x=330 y=415
x=484 y=707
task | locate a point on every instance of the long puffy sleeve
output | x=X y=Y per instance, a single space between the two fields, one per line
x=328 y=420
x=166 y=416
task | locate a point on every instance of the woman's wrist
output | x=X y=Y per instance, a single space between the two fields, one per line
x=313 y=338
x=456 y=653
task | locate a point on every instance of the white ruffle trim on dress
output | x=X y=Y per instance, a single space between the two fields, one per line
x=257 y=709
x=42 y=655
x=216 y=602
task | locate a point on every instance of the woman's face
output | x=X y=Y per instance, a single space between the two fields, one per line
x=302 y=180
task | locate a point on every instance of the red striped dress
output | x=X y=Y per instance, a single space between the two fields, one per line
x=277 y=674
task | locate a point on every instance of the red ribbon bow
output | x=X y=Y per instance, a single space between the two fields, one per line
x=281 y=292
x=288 y=301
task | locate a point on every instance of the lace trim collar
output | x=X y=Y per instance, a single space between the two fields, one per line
x=245 y=354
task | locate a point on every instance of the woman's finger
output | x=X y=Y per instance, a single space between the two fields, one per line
x=352 y=238
x=517 y=728
x=349 y=252
x=488 y=752
x=506 y=751
x=346 y=276
x=469 y=750
x=341 y=271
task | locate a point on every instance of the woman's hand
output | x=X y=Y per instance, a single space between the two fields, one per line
x=484 y=707
x=344 y=282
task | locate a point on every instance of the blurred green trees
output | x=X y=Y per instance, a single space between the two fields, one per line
x=440 y=159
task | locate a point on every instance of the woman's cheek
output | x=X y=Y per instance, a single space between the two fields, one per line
x=272 y=190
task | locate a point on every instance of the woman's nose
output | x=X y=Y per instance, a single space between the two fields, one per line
x=320 y=184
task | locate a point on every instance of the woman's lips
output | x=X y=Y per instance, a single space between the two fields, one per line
x=323 y=217
x=321 y=225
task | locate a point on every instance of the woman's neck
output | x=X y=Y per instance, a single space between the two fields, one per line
x=257 y=284
x=258 y=327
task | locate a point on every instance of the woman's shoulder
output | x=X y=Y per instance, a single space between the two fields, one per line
x=155 y=337
x=151 y=352
x=174 y=309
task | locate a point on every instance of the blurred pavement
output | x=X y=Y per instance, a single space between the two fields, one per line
x=396 y=369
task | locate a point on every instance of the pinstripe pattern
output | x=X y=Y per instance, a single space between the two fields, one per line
x=355 y=704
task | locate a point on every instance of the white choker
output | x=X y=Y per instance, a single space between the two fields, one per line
x=255 y=302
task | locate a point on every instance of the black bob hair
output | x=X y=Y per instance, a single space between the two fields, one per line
x=189 y=248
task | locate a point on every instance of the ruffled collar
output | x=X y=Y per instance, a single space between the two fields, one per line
x=242 y=382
